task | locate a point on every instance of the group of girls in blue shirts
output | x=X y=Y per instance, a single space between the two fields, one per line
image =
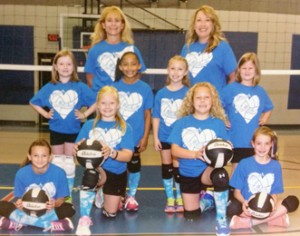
x=207 y=95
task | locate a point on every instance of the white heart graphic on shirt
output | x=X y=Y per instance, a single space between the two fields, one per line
x=111 y=138
x=130 y=103
x=197 y=61
x=258 y=183
x=246 y=106
x=195 y=139
x=62 y=102
x=108 y=61
x=169 y=109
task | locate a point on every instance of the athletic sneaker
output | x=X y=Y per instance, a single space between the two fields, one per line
x=222 y=228
x=99 y=199
x=83 y=227
x=238 y=222
x=5 y=223
x=170 y=206
x=179 y=205
x=62 y=225
x=107 y=214
x=282 y=221
x=131 y=204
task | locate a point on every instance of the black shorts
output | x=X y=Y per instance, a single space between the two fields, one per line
x=191 y=184
x=115 y=184
x=59 y=138
x=165 y=146
x=241 y=153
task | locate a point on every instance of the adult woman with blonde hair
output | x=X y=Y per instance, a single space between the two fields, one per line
x=209 y=55
x=112 y=37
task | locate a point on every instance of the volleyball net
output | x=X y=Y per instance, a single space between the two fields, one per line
x=31 y=35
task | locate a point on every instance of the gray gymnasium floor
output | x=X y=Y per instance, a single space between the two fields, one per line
x=150 y=219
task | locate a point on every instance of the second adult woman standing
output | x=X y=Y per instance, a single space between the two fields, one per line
x=111 y=38
x=209 y=55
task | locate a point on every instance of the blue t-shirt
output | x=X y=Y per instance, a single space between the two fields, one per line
x=244 y=106
x=53 y=181
x=108 y=133
x=193 y=134
x=64 y=98
x=166 y=106
x=251 y=177
x=210 y=67
x=102 y=60
x=135 y=99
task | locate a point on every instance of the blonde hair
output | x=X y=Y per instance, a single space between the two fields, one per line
x=40 y=143
x=54 y=73
x=188 y=108
x=216 y=36
x=264 y=130
x=249 y=56
x=120 y=123
x=99 y=33
x=185 y=79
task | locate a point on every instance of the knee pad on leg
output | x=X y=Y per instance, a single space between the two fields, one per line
x=192 y=215
x=90 y=179
x=291 y=203
x=167 y=171
x=66 y=163
x=66 y=210
x=135 y=164
x=70 y=167
x=234 y=207
x=6 y=208
x=220 y=179
x=176 y=174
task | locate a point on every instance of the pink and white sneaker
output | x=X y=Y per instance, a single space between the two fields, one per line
x=131 y=204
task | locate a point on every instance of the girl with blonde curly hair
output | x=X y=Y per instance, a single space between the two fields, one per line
x=209 y=55
x=112 y=37
x=202 y=120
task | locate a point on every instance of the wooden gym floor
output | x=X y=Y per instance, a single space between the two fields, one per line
x=150 y=219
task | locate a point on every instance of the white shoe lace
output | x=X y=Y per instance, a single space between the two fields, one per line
x=57 y=226
x=15 y=226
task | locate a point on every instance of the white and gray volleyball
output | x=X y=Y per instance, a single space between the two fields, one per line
x=218 y=152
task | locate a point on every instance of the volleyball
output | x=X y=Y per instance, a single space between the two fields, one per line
x=34 y=202
x=89 y=154
x=218 y=152
x=260 y=205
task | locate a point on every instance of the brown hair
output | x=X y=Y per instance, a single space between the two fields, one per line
x=249 y=56
x=40 y=143
x=54 y=73
x=264 y=130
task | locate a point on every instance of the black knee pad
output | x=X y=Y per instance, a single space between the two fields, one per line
x=66 y=210
x=6 y=208
x=90 y=179
x=134 y=165
x=192 y=215
x=234 y=207
x=291 y=203
x=176 y=174
x=220 y=179
x=167 y=171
